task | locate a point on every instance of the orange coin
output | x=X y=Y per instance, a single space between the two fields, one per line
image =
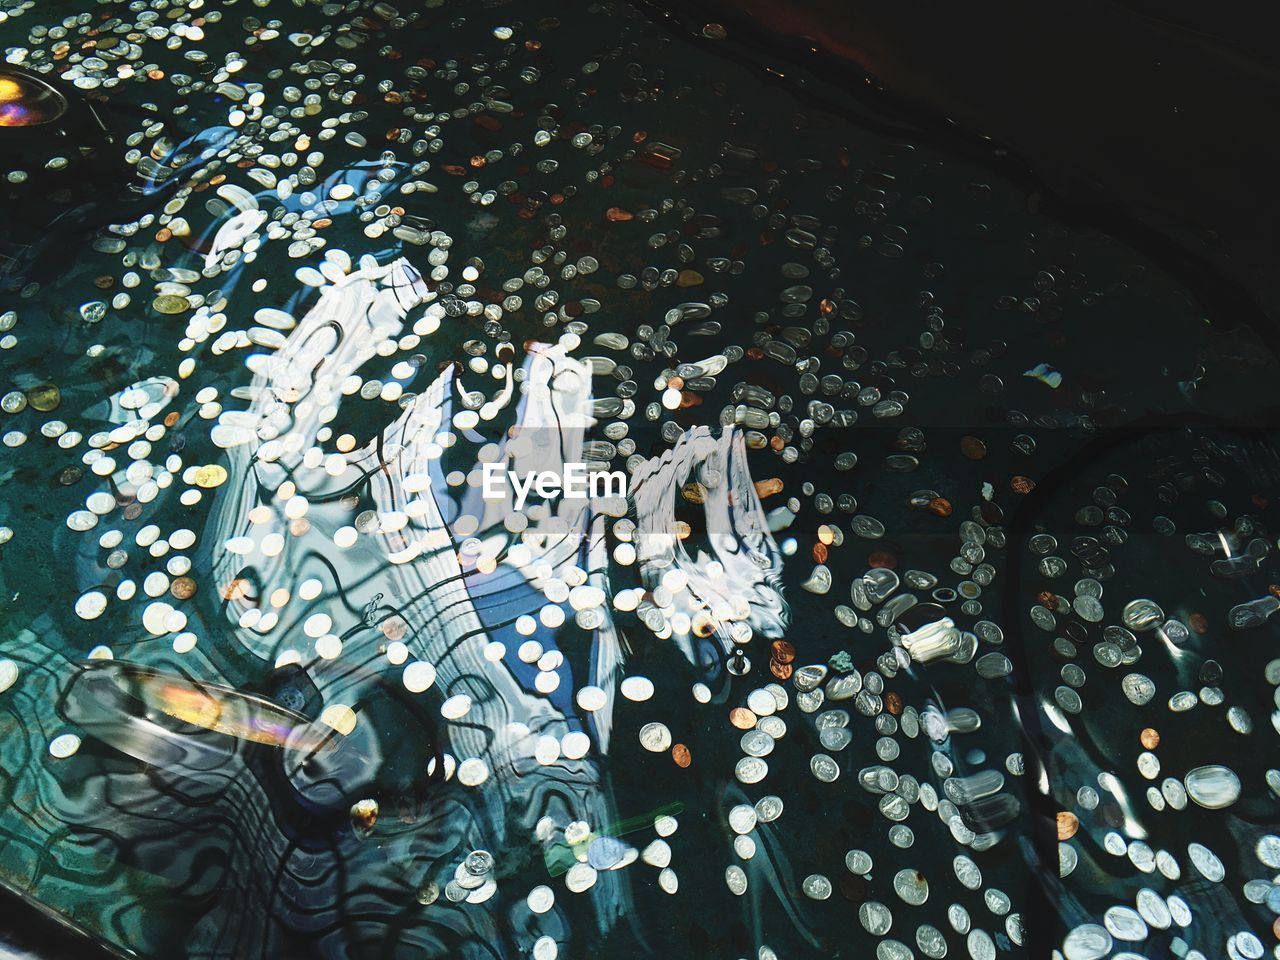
x=1022 y=484
x=680 y=754
x=782 y=671
x=782 y=651
x=742 y=718
x=183 y=588
x=235 y=589
x=767 y=488
x=1068 y=824
x=893 y=703
x=1150 y=738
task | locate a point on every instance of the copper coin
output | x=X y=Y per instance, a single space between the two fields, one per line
x=394 y=628
x=1199 y=623
x=1022 y=484
x=1047 y=599
x=133 y=511
x=853 y=888
x=782 y=651
x=183 y=588
x=680 y=754
x=781 y=671
x=973 y=448
x=940 y=507
x=1067 y=825
x=1149 y=738
x=820 y=552
x=742 y=718
x=893 y=703
x=767 y=488
x=236 y=589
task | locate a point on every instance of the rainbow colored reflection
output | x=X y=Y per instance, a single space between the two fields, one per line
x=27 y=103
x=224 y=710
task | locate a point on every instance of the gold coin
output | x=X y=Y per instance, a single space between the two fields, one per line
x=1150 y=738
x=44 y=398
x=171 y=304
x=694 y=492
x=742 y=718
x=1067 y=825
x=210 y=475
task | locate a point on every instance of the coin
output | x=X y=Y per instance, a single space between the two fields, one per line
x=655 y=737
x=183 y=588
x=782 y=651
x=171 y=304
x=44 y=398
x=210 y=475
x=824 y=768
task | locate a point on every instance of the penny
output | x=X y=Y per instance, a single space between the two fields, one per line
x=742 y=718
x=782 y=651
x=183 y=588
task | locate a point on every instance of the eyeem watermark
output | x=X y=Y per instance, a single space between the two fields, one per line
x=575 y=482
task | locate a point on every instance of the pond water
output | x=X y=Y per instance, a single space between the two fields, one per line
x=933 y=619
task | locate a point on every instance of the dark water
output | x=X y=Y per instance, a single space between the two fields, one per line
x=256 y=600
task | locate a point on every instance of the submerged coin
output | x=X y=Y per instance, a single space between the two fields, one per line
x=824 y=768
x=44 y=398
x=209 y=476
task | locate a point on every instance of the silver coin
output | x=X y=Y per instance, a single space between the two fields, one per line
x=751 y=770
x=816 y=887
x=823 y=767
x=768 y=808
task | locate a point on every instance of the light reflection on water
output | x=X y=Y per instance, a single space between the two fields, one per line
x=939 y=566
